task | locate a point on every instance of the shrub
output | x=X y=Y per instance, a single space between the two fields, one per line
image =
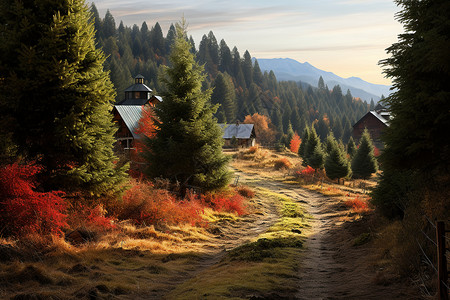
x=282 y=163
x=357 y=204
x=245 y=191
x=145 y=204
x=90 y=218
x=225 y=202
x=23 y=210
x=295 y=143
x=252 y=150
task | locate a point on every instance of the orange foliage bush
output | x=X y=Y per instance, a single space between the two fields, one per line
x=146 y=205
x=282 y=163
x=264 y=129
x=23 y=210
x=295 y=143
x=252 y=150
x=92 y=218
x=357 y=204
x=225 y=202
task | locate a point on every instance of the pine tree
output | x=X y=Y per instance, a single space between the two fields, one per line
x=317 y=158
x=351 y=147
x=336 y=164
x=313 y=142
x=420 y=69
x=187 y=147
x=58 y=94
x=289 y=135
x=321 y=84
x=416 y=158
x=224 y=93
x=364 y=162
x=301 y=150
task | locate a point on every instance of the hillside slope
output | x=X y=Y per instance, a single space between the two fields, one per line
x=289 y=69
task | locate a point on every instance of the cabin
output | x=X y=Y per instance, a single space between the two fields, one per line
x=375 y=121
x=128 y=112
x=243 y=134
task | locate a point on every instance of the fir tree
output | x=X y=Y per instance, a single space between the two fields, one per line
x=351 y=147
x=224 y=93
x=317 y=158
x=364 y=162
x=416 y=158
x=336 y=164
x=302 y=148
x=312 y=144
x=187 y=147
x=58 y=94
x=321 y=84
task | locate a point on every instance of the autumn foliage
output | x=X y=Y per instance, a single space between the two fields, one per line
x=295 y=143
x=146 y=127
x=358 y=204
x=89 y=217
x=24 y=210
x=265 y=132
x=148 y=205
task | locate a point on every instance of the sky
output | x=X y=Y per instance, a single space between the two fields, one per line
x=346 y=37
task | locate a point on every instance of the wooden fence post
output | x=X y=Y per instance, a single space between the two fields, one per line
x=441 y=261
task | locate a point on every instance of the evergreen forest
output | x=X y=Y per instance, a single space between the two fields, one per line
x=239 y=85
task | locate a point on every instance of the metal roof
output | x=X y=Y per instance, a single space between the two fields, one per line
x=240 y=131
x=380 y=116
x=159 y=98
x=130 y=114
x=138 y=87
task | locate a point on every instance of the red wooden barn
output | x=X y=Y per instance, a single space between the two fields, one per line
x=375 y=121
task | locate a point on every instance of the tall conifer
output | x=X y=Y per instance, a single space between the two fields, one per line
x=187 y=147
x=364 y=162
x=57 y=92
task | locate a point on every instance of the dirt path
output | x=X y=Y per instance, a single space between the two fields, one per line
x=333 y=267
x=228 y=235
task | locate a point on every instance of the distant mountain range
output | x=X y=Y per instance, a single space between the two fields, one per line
x=290 y=69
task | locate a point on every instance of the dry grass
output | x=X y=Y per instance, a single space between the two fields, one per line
x=265 y=268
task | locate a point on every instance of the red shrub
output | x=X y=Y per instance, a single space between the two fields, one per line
x=295 y=143
x=308 y=171
x=92 y=218
x=223 y=201
x=376 y=151
x=357 y=204
x=146 y=205
x=24 y=210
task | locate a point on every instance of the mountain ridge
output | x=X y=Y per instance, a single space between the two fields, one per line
x=290 y=69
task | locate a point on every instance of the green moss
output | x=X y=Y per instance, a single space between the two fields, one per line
x=362 y=239
x=263 y=248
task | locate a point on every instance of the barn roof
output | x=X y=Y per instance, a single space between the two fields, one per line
x=159 y=98
x=383 y=117
x=130 y=114
x=240 y=131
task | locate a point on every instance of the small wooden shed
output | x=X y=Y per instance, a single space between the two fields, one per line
x=244 y=134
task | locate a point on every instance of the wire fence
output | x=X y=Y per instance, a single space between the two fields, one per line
x=439 y=268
